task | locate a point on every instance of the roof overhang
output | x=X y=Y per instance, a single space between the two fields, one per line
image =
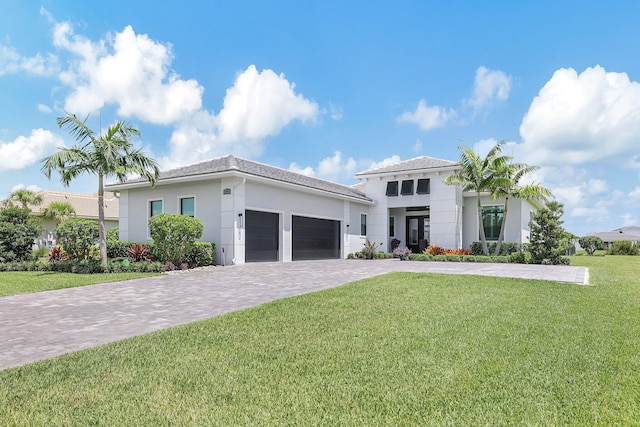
x=234 y=174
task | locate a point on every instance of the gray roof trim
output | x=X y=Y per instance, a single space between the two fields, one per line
x=414 y=165
x=224 y=166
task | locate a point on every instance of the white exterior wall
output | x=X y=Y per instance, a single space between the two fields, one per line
x=517 y=225
x=135 y=203
x=444 y=202
x=288 y=201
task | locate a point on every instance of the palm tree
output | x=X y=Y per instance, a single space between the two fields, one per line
x=514 y=172
x=24 y=197
x=58 y=212
x=111 y=154
x=477 y=174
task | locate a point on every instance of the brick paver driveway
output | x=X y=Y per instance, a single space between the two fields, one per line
x=47 y=324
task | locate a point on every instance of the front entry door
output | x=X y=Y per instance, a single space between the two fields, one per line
x=418 y=233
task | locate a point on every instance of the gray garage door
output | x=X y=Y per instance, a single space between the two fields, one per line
x=314 y=238
x=261 y=236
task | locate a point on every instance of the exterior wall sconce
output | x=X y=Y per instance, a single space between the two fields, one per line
x=240 y=220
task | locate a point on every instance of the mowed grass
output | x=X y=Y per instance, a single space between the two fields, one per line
x=399 y=349
x=24 y=282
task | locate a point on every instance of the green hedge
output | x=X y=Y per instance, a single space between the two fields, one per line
x=507 y=248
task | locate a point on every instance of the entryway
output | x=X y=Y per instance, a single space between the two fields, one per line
x=418 y=233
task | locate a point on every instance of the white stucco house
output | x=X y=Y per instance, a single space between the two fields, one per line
x=257 y=212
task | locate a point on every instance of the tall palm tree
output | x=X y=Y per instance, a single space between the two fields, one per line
x=24 y=197
x=477 y=174
x=111 y=154
x=58 y=212
x=514 y=172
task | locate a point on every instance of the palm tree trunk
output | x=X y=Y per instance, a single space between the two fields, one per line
x=102 y=240
x=483 y=239
x=502 y=227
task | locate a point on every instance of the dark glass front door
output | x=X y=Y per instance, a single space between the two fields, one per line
x=418 y=233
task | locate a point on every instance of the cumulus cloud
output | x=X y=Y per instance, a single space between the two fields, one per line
x=44 y=109
x=388 y=161
x=258 y=105
x=308 y=171
x=428 y=116
x=21 y=186
x=27 y=150
x=336 y=167
x=586 y=117
x=489 y=87
x=336 y=111
x=39 y=65
x=128 y=70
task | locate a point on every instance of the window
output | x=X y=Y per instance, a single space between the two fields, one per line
x=392 y=188
x=424 y=186
x=155 y=207
x=407 y=187
x=363 y=224
x=492 y=220
x=392 y=226
x=187 y=206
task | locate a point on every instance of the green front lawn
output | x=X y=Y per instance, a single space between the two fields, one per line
x=23 y=282
x=399 y=349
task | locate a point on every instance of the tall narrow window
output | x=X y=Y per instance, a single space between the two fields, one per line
x=492 y=221
x=155 y=207
x=424 y=186
x=392 y=226
x=392 y=188
x=187 y=206
x=407 y=187
x=363 y=224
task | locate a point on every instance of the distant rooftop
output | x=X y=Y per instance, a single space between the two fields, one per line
x=249 y=167
x=624 y=233
x=85 y=205
x=415 y=164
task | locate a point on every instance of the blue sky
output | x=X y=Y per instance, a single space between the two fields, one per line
x=331 y=88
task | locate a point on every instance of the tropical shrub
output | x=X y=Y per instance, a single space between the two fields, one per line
x=402 y=252
x=113 y=234
x=369 y=250
x=590 y=244
x=624 y=247
x=546 y=234
x=17 y=232
x=139 y=253
x=174 y=236
x=435 y=250
x=57 y=254
x=520 y=257
x=77 y=236
x=202 y=254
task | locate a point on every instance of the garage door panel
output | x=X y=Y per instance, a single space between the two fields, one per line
x=315 y=238
x=261 y=236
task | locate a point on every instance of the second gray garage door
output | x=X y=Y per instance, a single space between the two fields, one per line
x=314 y=238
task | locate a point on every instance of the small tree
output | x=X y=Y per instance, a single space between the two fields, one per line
x=174 y=236
x=18 y=229
x=58 y=212
x=24 y=198
x=77 y=236
x=546 y=233
x=590 y=244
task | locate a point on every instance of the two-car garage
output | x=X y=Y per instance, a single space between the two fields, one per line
x=311 y=238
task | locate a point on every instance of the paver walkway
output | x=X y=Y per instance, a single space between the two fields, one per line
x=47 y=324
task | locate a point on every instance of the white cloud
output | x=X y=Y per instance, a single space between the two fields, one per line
x=635 y=193
x=335 y=168
x=417 y=147
x=597 y=186
x=258 y=105
x=25 y=151
x=128 y=70
x=428 y=117
x=579 y=118
x=629 y=219
x=489 y=87
x=308 y=171
x=13 y=62
x=388 y=161
x=336 y=111
x=44 y=109
x=21 y=186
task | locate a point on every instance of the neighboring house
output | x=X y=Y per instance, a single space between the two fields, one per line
x=86 y=207
x=625 y=233
x=257 y=212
